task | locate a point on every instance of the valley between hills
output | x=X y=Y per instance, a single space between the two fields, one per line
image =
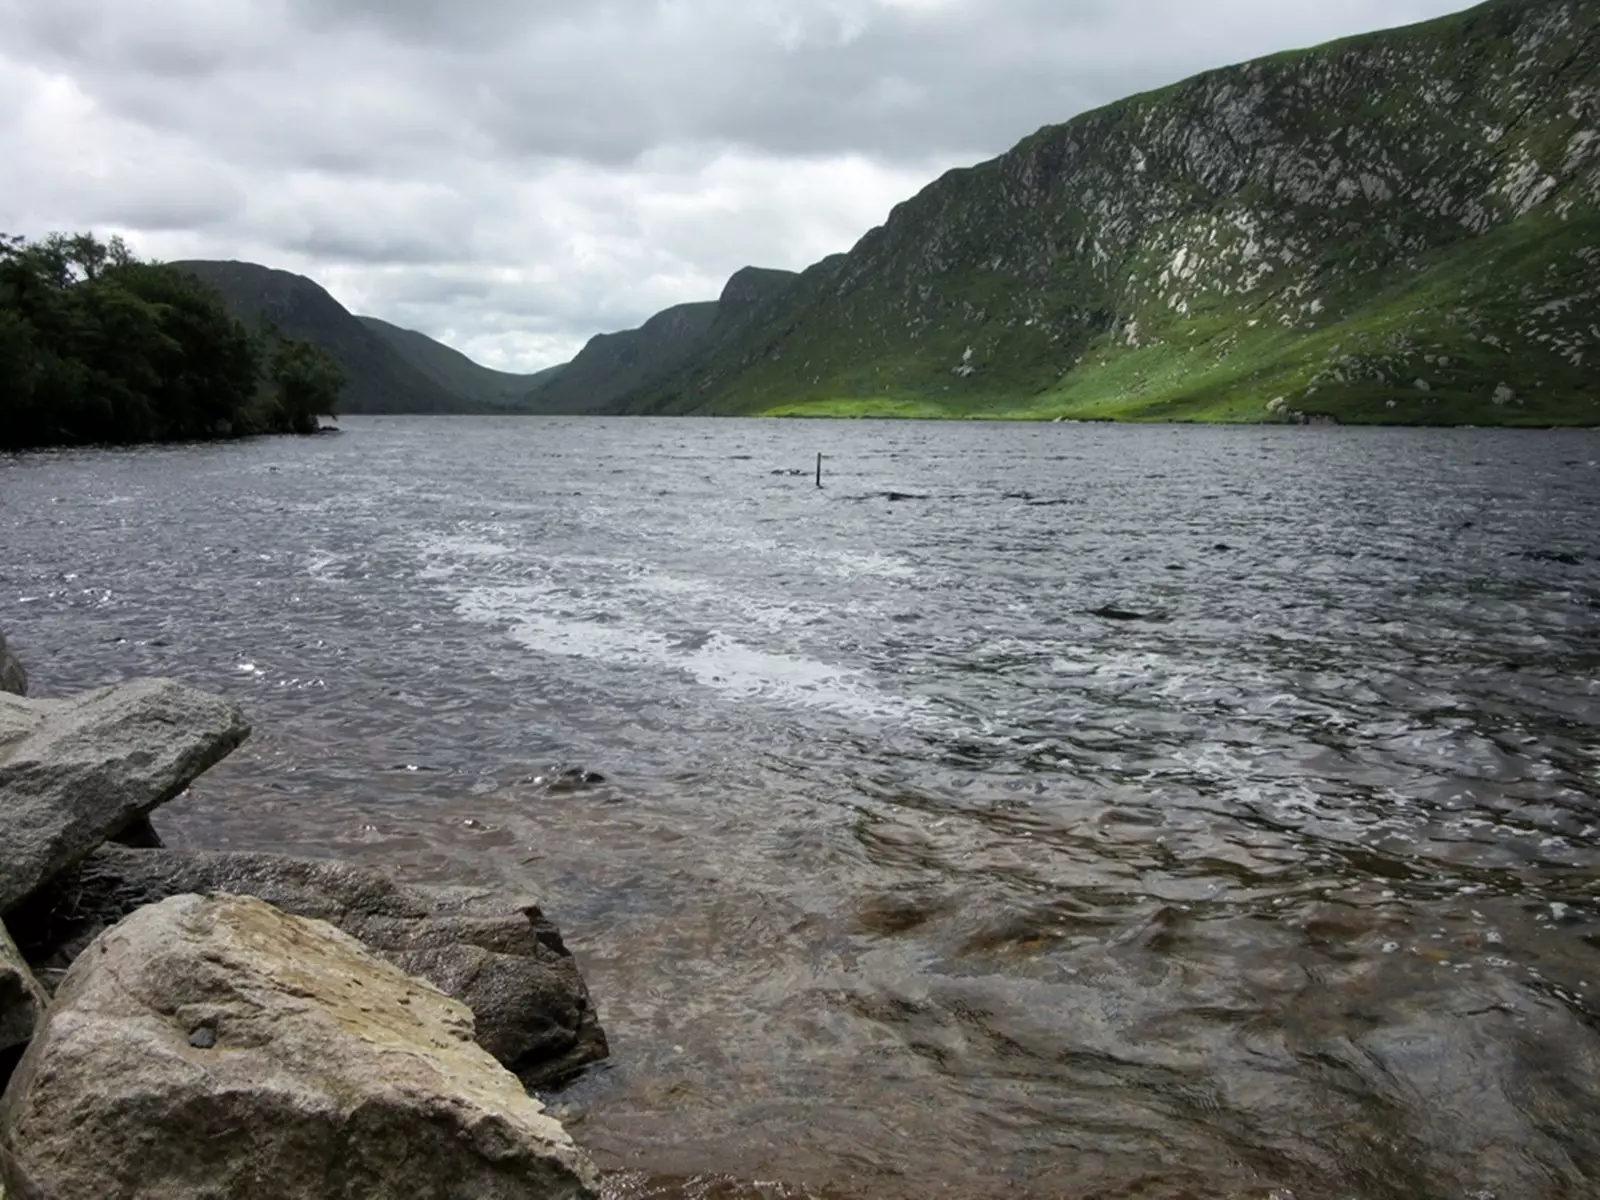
x=1398 y=228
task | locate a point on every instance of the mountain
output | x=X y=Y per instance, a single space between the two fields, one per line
x=612 y=366
x=1400 y=227
x=377 y=378
x=481 y=386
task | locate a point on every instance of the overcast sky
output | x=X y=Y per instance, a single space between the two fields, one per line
x=511 y=176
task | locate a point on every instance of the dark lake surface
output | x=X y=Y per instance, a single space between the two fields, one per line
x=909 y=874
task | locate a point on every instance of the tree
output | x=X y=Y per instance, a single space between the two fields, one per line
x=207 y=363
x=309 y=382
x=97 y=346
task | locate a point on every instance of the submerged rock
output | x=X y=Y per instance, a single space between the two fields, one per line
x=571 y=779
x=1560 y=557
x=76 y=772
x=322 y=1071
x=497 y=954
x=13 y=678
x=1112 y=612
x=22 y=1000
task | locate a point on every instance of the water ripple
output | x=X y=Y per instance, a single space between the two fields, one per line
x=1030 y=812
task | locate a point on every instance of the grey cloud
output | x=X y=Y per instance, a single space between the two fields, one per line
x=608 y=81
x=465 y=24
x=894 y=82
x=522 y=173
x=351 y=242
x=197 y=205
x=181 y=39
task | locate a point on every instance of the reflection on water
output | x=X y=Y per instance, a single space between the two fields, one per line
x=898 y=871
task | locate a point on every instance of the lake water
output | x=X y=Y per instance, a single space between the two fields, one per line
x=909 y=875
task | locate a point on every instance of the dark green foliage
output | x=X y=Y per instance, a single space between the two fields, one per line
x=306 y=384
x=97 y=346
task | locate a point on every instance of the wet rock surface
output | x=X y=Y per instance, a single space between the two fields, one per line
x=497 y=954
x=216 y=1046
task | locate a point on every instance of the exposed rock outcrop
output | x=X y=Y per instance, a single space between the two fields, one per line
x=74 y=773
x=22 y=1000
x=499 y=955
x=13 y=678
x=213 y=1047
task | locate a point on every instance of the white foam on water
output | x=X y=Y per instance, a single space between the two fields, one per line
x=714 y=661
x=449 y=557
x=747 y=606
x=833 y=561
x=320 y=565
x=462 y=546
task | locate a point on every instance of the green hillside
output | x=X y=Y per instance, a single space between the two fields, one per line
x=613 y=366
x=1398 y=227
x=481 y=386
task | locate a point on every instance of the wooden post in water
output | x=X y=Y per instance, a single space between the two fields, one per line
x=819 y=470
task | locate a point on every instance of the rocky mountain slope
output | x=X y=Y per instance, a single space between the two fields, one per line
x=613 y=366
x=1397 y=227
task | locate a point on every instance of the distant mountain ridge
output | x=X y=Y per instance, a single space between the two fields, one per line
x=387 y=369
x=394 y=370
x=455 y=372
x=615 y=366
x=377 y=378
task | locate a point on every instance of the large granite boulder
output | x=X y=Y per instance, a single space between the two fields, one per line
x=498 y=955
x=74 y=773
x=210 y=1047
x=13 y=678
x=22 y=1000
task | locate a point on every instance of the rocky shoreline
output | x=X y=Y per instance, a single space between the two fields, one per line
x=189 y=1025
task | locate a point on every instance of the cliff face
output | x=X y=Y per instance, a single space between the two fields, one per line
x=1397 y=227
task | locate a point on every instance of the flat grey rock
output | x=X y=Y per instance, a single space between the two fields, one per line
x=75 y=773
x=497 y=954
x=211 y=1047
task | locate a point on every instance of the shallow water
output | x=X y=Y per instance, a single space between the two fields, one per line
x=908 y=874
